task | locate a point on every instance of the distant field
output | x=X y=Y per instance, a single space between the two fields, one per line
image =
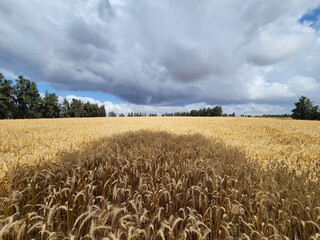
x=176 y=178
x=297 y=143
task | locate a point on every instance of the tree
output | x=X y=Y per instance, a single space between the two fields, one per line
x=27 y=99
x=23 y=101
x=76 y=108
x=65 y=108
x=193 y=113
x=50 y=106
x=112 y=114
x=6 y=98
x=217 y=111
x=88 y=110
x=102 y=111
x=304 y=109
x=315 y=113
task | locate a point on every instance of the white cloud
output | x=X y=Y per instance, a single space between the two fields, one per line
x=83 y=99
x=246 y=109
x=226 y=52
x=126 y=108
x=257 y=109
x=292 y=89
x=302 y=85
x=276 y=43
x=8 y=74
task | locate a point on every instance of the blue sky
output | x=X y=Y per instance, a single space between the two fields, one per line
x=156 y=56
x=100 y=96
x=312 y=17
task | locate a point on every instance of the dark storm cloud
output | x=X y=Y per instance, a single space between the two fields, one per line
x=84 y=34
x=165 y=52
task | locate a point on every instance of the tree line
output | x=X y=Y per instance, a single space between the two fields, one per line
x=136 y=114
x=286 y=115
x=22 y=100
x=304 y=110
x=204 y=112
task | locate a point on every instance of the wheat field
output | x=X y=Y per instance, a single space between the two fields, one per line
x=160 y=178
x=32 y=141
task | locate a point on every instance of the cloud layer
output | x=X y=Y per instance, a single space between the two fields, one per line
x=166 y=53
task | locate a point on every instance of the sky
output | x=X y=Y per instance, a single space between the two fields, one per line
x=250 y=57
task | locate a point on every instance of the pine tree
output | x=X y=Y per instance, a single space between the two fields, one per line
x=6 y=98
x=27 y=99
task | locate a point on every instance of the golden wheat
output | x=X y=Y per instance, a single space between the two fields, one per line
x=157 y=185
x=263 y=140
x=227 y=178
